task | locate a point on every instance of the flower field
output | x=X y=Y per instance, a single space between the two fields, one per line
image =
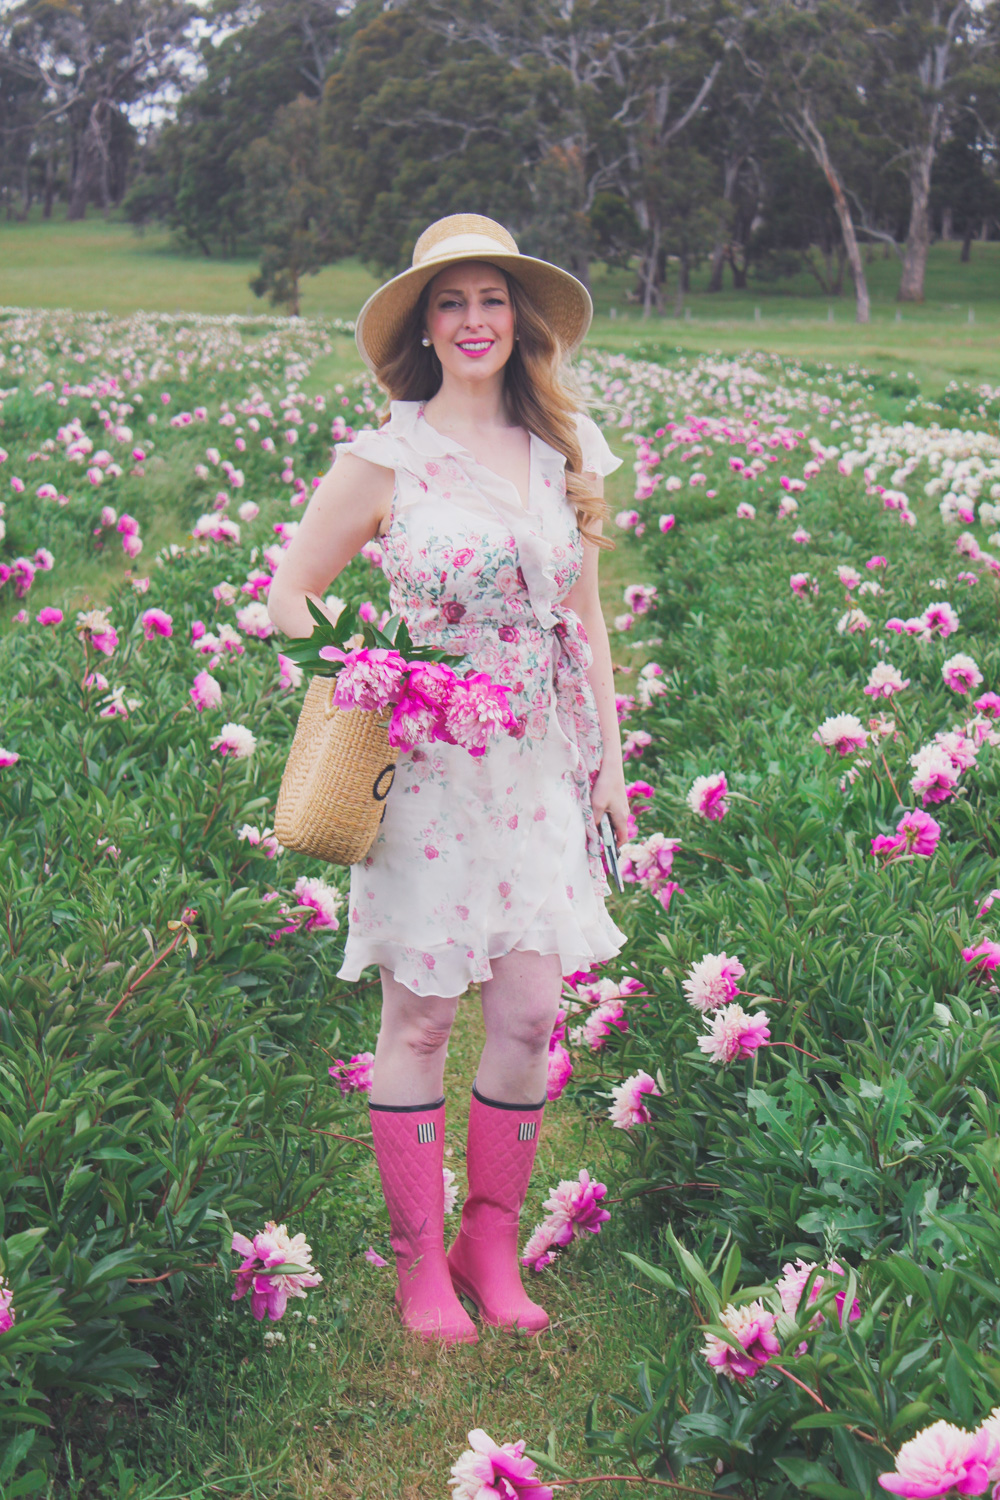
x=793 y=1073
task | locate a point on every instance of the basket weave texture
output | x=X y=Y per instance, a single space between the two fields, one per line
x=336 y=779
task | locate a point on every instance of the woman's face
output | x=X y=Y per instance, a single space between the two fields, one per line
x=470 y=320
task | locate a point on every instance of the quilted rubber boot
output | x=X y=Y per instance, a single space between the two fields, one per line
x=409 y=1149
x=503 y=1139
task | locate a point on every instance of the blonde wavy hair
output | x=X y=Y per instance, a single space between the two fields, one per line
x=539 y=390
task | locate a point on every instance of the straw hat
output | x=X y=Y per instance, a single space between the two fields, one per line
x=563 y=301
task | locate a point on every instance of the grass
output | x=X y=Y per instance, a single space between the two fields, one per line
x=104 y=264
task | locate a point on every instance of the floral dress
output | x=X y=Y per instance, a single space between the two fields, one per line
x=477 y=856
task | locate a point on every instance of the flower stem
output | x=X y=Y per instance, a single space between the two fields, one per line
x=794 y=1049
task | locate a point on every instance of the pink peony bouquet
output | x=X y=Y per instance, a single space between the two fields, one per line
x=428 y=699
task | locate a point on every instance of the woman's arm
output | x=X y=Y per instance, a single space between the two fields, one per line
x=608 y=794
x=347 y=509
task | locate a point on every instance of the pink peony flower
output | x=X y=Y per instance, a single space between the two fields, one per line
x=940 y=618
x=849 y=577
x=6 y=1308
x=559 y=1071
x=984 y=957
x=270 y=1289
x=235 y=740
x=934 y=778
x=370 y=678
x=803 y=584
x=205 y=692
x=156 y=622
x=916 y=833
x=877 y=562
x=262 y=839
x=598 y=1026
x=8 y=758
x=707 y=797
x=43 y=559
x=355 y=1075
x=712 y=981
x=993 y=896
x=477 y=712
x=988 y=705
x=943 y=1458
x=486 y=1470
x=745 y=511
x=95 y=629
x=961 y=674
x=733 y=1035
x=49 y=616
x=666 y=523
x=324 y=899
x=792 y=1283
x=842 y=733
x=753 y=1327
x=627 y=1108
x=640 y=598
x=290 y=673
x=884 y=680
x=373 y=1258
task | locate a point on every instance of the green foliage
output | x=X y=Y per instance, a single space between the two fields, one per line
x=866 y=1131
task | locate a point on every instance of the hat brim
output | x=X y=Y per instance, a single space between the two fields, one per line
x=561 y=300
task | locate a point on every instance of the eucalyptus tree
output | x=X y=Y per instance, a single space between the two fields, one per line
x=89 y=60
x=933 y=57
x=816 y=65
x=301 y=220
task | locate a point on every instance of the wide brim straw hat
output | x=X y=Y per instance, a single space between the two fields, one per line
x=562 y=301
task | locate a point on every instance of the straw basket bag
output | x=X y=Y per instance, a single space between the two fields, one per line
x=336 y=779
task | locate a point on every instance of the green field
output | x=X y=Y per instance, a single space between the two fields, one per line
x=105 y=265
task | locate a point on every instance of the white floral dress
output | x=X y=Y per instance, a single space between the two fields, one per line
x=477 y=856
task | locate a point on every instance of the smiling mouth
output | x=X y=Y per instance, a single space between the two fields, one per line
x=476 y=346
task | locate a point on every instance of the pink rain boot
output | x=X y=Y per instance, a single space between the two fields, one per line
x=503 y=1139
x=409 y=1149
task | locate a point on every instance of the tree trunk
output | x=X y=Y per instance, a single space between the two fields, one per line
x=50 y=186
x=911 y=283
x=967 y=239
x=649 y=270
x=683 y=282
x=718 y=265
x=91 y=164
x=811 y=136
x=947 y=225
x=739 y=273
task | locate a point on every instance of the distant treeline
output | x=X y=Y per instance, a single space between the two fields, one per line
x=764 y=138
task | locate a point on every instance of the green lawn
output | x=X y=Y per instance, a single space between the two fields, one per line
x=104 y=264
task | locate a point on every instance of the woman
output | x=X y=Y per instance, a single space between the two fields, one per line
x=485 y=488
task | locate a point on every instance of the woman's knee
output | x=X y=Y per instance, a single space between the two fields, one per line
x=529 y=1030
x=423 y=1029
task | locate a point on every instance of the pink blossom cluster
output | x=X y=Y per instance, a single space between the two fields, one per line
x=938 y=619
x=495 y=1471
x=792 y=1283
x=125 y=525
x=574 y=1208
x=355 y=1075
x=6 y=1306
x=984 y=957
x=259 y=1274
x=429 y=700
x=944 y=1459
x=752 y=1327
x=713 y=981
x=733 y=1035
x=560 y=1064
x=707 y=797
x=260 y=838
x=917 y=833
x=649 y=862
x=628 y=1107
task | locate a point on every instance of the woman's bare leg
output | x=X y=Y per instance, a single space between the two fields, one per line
x=519 y=1011
x=412 y=1045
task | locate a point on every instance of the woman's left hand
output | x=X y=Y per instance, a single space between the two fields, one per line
x=608 y=795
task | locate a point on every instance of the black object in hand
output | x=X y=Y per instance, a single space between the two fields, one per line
x=610 y=849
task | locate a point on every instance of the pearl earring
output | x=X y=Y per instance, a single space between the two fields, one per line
x=426 y=342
